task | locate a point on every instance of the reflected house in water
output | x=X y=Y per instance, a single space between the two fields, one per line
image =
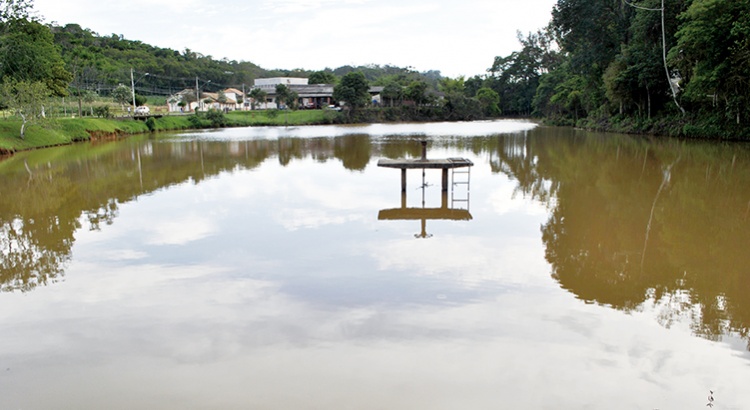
x=459 y=193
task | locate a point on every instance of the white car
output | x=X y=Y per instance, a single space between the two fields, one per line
x=142 y=110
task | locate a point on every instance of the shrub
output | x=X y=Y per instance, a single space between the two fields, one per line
x=151 y=124
x=195 y=121
x=272 y=113
x=102 y=111
x=216 y=117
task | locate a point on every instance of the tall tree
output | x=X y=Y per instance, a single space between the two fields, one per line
x=591 y=32
x=452 y=85
x=393 y=93
x=417 y=92
x=286 y=96
x=516 y=76
x=257 y=96
x=322 y=77
x=28 y=53
x=489 y=100
x=713 y=52
x=121 y=95
x=353 y=89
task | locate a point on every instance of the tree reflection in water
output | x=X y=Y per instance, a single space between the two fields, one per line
x=633 y=228
x=602 y=192
x=56 y=191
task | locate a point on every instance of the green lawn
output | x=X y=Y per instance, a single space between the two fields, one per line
x=60 y=131
x=282 y=117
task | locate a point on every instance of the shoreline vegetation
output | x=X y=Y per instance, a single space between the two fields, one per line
x=63 y=131
x=675 y=68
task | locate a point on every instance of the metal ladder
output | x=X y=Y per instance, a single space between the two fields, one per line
x=461 y=178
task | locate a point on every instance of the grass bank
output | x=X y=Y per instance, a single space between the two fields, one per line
x=690 y=126
x=62 y=131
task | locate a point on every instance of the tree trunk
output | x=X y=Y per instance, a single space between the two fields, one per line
x=23 y=125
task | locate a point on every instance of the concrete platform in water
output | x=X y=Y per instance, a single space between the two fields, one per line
x=424 y=163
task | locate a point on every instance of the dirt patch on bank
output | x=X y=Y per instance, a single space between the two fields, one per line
x=103 y=135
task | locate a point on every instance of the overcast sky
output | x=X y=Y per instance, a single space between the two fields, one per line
x=455 y=37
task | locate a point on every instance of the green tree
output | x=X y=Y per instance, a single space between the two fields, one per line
x=571 y=94
x=257 y=96
x=472 y=85
x=639 y=76
x=452 y=85
x=416 y=91
x=353 y=89
x=141 y=100
x=393 y=92
x=25 y=99
x=516 y=77
x=459 y=107
x=293 y=99
x=102 y=111
x=591 y=34
x=286 y=96
x=216 y=117
x=548 y=88
x=322 y=77
x=489 y=100
x=713 y=52
x=28 y=53
x=122 y=95
x=592 y=31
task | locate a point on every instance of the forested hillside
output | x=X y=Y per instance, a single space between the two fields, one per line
x=679 y=67
x=99 y=63
x=668 y=67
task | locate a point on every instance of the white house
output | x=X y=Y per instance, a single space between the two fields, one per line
x=206 y=101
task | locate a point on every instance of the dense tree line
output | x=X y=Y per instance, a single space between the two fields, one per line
x=100 y=63
x=679 y=67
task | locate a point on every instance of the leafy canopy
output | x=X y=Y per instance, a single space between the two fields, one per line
x=353 y=89
x=28 y=53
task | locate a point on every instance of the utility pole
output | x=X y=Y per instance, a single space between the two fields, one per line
x=197 y=94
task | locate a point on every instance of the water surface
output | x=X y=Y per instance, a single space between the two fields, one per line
x=280 y=268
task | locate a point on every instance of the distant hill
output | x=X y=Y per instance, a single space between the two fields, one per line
x=99 y=63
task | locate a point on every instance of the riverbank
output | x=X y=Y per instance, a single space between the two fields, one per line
x=689 y=126
x=62 y=131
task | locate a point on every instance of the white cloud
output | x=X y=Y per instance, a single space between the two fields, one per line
x=180 y=230
x=453 y=37
x=505 y=200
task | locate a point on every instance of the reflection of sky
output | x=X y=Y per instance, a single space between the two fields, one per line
x=279 y=288
x=440 y=129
